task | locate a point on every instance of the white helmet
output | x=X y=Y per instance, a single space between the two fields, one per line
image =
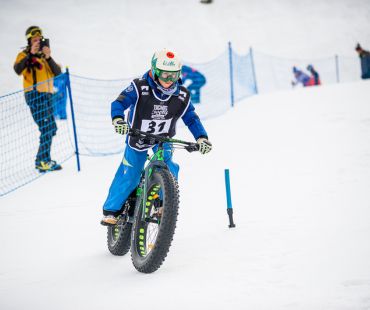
x=166 y=65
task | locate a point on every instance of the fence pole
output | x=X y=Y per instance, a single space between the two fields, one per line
x=73 y=120
x=337 y=67
x=253 y=70
x=231 y=75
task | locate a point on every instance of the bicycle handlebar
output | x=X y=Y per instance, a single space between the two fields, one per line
x=189 y=146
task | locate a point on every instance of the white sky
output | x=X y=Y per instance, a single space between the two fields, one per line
x=116 y=38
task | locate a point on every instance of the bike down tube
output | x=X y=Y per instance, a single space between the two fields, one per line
x=156 y=160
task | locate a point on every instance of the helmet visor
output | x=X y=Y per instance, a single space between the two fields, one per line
x=168 y=76
x=34 y=32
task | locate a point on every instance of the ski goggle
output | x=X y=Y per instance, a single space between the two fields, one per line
x=34 y=32
x=168 y=76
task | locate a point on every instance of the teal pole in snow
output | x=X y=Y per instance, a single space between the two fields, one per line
x=228 y=199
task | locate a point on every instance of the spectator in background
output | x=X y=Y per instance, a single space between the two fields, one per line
x=365 y=61
x=300 y=77
x=36 y=65
x=193 y=80
x=315 y=77
x=60 y=98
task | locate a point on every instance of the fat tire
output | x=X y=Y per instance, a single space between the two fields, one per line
x=170 y=190
x=121 y=245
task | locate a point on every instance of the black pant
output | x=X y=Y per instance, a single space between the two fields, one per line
x=42 y=113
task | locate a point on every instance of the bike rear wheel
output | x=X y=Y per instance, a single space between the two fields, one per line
x=118 y=238
x=153 y=231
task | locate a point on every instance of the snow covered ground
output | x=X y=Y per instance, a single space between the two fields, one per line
x=300 y=173
x=299 y=164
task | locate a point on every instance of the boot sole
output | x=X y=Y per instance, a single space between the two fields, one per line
x=108 y=223
x=48 y=170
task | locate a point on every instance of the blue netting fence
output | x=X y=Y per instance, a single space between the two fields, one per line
x=215 y=87
x=29 y=124
x=209 y=84
x=92 y=100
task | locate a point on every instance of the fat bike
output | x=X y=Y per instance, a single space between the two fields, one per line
x=147 y=223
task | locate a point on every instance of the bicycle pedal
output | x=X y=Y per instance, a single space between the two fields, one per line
x=158 y=212
x=150 y=246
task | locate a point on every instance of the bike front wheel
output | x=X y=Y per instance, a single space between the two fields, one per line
x=155 y=222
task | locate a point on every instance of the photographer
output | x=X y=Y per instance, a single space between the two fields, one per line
x=37 y=67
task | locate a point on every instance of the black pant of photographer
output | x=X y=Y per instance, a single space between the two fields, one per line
x=42 y=112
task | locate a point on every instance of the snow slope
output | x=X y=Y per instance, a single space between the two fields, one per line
x=300 y=173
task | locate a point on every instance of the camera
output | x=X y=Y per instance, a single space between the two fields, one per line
x=44 y=42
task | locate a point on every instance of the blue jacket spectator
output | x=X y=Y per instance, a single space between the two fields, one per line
x=194 y=81
x=365 y=61
x=300 y=77
x=60 y=97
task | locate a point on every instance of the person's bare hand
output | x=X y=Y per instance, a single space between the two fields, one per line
x=35 y=47
x=46 y=51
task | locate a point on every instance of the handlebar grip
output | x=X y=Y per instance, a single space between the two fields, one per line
x=132 y=132
x=192 y=148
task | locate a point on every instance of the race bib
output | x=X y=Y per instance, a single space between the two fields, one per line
x=156 y=126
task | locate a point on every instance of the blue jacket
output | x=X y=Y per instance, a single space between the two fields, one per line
x=301 y=77
x=128 y=98
x=197 y=79
x=365 y=64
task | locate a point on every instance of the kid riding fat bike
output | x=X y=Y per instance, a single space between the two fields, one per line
x=148 y=220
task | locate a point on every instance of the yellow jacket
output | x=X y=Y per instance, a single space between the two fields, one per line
x=38 y=72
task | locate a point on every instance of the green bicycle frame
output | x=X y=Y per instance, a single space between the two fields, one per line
x=154 y=161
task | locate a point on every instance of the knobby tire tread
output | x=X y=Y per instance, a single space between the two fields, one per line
x=122 y=245
x=166 y=231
